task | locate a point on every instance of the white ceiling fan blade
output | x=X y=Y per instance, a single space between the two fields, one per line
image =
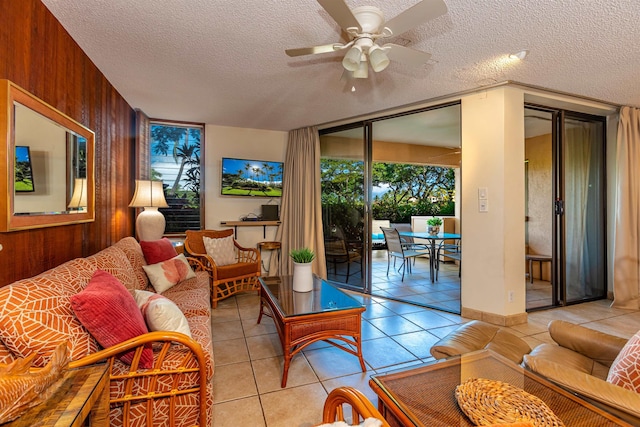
x=310 y=50
x=406 y=55
x=340 y=12
x=416 y=15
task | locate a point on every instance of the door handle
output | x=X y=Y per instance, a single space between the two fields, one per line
x=559 y=207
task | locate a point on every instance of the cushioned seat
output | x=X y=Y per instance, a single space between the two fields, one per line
x=478 y=335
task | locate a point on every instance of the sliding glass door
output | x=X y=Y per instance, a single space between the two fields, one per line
x=395 y=171
x=344 y=197
x=565 y=207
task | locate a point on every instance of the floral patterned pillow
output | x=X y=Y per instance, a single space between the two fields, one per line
x=166 y=274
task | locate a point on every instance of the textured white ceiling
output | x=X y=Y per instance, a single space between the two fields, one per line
x=222 y=61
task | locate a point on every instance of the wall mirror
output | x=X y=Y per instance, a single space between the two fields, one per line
x=48 y=167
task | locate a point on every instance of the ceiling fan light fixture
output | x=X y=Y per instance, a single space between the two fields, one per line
x=362 y=72
x=351 y=60
x=378 y=58
x=519 y=55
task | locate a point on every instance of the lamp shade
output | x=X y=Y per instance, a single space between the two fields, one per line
x=148 y=194
x=79 y=196
x=351 y=60
x=150 y=223
x=362 y=72
x=378 y=58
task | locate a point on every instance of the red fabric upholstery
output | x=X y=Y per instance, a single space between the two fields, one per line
x=156 y=251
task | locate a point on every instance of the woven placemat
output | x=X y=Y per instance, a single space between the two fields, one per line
x=488 y=402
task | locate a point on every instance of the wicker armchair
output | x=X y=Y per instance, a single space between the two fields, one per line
x=225 y=280
x=361 y=407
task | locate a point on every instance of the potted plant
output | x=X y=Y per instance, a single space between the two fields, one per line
x=302 y=272
x=433 y=225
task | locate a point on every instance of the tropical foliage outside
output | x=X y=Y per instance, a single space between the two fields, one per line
x=175 y=160
x=401 y=191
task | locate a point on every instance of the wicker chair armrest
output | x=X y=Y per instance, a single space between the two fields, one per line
x=247 y=254
x=167 y=339
x=200 y=263
x=361 y=406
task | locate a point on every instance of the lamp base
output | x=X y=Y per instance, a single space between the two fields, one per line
x=150 y=224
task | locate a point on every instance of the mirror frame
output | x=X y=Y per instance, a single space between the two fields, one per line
x=11 y=93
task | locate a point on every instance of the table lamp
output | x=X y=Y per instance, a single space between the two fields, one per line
x=150 y=222
x=78 y=202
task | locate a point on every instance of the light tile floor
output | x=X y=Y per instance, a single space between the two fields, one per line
x=248 y=357
x=417 y=288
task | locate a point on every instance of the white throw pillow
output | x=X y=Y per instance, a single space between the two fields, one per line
x=166 y=274
x=160 y=313
x=222 y=250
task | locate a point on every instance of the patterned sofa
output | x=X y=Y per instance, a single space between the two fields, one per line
x=36 y=314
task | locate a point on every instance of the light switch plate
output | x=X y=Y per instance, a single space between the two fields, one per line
x=483 y=193
x=483 y=205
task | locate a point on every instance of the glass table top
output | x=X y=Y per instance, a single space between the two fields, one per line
x=323 y=298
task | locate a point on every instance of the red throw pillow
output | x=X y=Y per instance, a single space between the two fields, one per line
x=110 y=313
x=156 y=251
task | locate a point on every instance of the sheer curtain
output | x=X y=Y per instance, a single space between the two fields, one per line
x=578 y=148
x=301 y=210
x=626 y=258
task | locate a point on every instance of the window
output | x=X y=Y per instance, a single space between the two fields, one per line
x=175 y=160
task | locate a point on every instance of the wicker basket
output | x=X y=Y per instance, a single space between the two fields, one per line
x=488 y=402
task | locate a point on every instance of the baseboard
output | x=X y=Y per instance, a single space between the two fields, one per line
x=496 y=319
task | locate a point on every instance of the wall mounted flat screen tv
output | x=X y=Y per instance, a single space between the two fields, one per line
x=23 y=170
x=255 y=178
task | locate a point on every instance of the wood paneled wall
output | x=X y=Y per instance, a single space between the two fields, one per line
x=38 y=54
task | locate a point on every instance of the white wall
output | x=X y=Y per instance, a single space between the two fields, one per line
x=493 y=241
x=253 y=144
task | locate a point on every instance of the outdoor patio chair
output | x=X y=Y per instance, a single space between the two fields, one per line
x=395 y=250
x=339 y=250
x=450 y=251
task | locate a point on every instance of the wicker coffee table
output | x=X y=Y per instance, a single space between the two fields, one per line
x=301 y=318
x=425 y=396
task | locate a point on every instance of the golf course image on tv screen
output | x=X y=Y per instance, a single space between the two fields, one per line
x=256 y=178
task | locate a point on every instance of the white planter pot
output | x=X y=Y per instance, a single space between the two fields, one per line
x=302 y=277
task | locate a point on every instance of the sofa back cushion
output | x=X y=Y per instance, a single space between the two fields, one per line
x=133 y=252
x=115 y=262
x=36 y=314
x=625 y=370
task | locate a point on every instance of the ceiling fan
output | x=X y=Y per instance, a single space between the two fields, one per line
x=365 y=25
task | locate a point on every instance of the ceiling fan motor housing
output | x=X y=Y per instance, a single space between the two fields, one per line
x=370 y=19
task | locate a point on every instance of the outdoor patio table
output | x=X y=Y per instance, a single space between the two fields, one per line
x=432 y=238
